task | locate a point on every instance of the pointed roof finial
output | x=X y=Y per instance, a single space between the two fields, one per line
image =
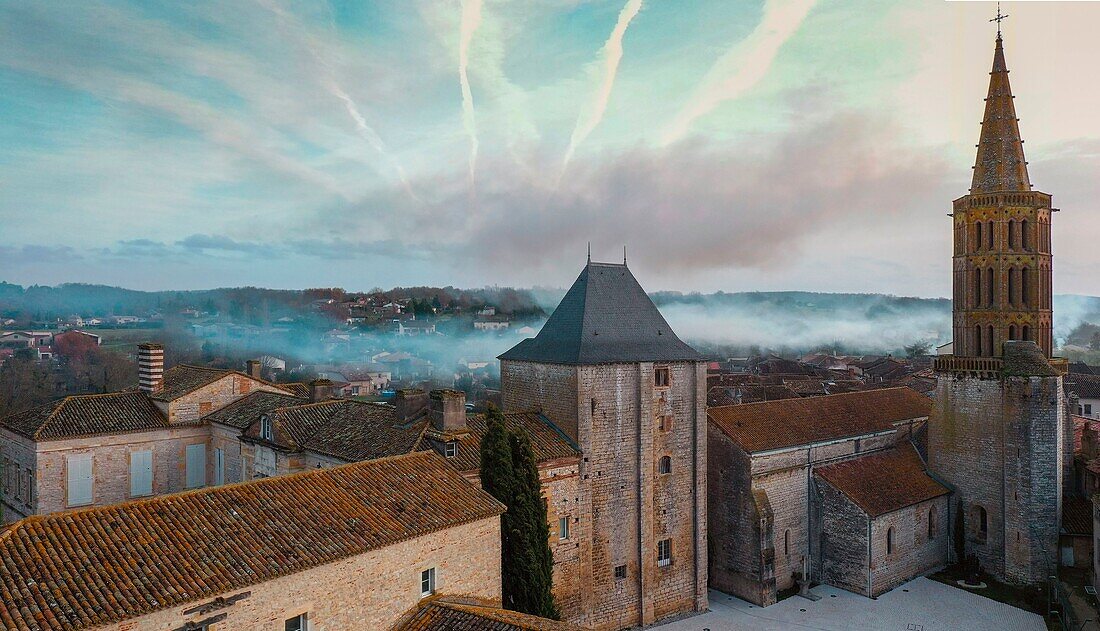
x=624 y=255
x=589 y=251
x=1000 y=18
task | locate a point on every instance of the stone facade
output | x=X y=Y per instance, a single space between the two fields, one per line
x=368 y=591
x=625 y=425
x=999 y=441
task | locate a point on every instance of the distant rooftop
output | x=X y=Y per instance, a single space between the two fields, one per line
x=605 y=317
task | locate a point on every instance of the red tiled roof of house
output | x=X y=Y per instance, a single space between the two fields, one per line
x=1076 y=515
x=791 y=422
x=448 y=613
x=244 y=411
x=88 y=415
x=183 y=379
x=95 y=567
x=884 y=481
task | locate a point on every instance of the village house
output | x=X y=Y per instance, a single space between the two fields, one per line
x=827 y=489
x=100 y=449
x=1086 y=388
x=396 y=538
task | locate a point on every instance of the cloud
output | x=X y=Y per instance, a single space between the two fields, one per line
x=471 y=19
x=743 y=66
x=218 y=243
x=612 y=53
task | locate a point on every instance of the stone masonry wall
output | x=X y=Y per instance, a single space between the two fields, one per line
x=19 y=461
x=914 y=553
x=368 y=591
x=192 y=406
x=843 y=540
x=550 y=388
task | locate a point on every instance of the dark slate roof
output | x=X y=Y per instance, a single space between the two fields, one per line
x=605 y=318
x=1076 y=515
x=95 y=567
x=450 y=613
x=1084 y=386
x=88 y=415
x=245 y=411
x=1026 y=359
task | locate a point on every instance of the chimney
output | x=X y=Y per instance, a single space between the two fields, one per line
x=320 y=390
x=447 y=409
x=150 y=367
x=255 y=368
x=409 y=403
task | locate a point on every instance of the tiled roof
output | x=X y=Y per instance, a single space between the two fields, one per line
x=884 y=481
x=791 y=422
x=548 y=442
x=88 y=415
x=99 y=566
x=1076 y=515
x=349 y=430
x=1085 y=386
x=184 y=378
x=296 y=388
x=605 y=317
x=244 y=411
x=467 y=614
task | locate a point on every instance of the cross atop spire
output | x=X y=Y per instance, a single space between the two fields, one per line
x=1000 y=18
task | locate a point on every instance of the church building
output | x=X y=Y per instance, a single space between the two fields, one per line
x=610 y=373
x=998 y=434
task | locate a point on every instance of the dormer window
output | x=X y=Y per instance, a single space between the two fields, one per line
x=266 y=432
x=450 y=449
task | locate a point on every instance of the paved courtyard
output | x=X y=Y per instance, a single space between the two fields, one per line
x=919 y=605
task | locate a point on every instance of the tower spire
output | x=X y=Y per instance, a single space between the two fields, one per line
x=1000 y=165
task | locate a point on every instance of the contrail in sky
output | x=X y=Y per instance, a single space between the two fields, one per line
x=612 y=52
x=471 y=19
x=740 y=69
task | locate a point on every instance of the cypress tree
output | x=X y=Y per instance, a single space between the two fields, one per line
x=498 y=480
x=531 y=534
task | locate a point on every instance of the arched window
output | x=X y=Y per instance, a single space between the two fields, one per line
x=1025 y=285
x=978 y=340
x=1027 y=333
x=932 y=523
x=978 y=235
x=786 y=542
x=979 y=523
x=1012 y=332
x=1023 y=235
x=989 y=342
x=890 y=540
x=1012 y=285
x=1011 y=234
x=990 y=287
x=989 y=234
x=978 y=287
x=665 y=465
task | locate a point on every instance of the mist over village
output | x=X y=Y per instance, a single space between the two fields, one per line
x=453 y=315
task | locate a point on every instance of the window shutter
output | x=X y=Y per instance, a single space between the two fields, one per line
x=80 y=479
x=219 y=467
x=196 y=466
x=141 y=473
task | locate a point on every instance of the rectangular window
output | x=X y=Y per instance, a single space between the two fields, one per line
x=219 y=466
x=664 y=552
x=265 y=429
x=450 y=449
x=563 y=528
x=427 y=582
x=141 y=473
x=79 y=468
x=661 y=377
x=1088 y=409
x=196 y=466
x=265 y=462
x=620 y=572
x=297 y=623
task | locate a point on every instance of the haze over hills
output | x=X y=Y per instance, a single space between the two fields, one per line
x=783 y=320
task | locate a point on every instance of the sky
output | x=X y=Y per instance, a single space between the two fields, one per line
x=736 y=146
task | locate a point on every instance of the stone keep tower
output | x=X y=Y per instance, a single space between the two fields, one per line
x=608 y=371
x=1002 y=262
x=998 y=432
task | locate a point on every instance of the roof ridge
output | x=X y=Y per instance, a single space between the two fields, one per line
x=806 y=399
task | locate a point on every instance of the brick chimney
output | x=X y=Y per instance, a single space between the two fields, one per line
x=447 y=409
x=410 y=402
x=255 y=368
x=150 y=367
x=320 y=390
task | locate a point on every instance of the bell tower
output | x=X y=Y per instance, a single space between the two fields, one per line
x=1002 y=259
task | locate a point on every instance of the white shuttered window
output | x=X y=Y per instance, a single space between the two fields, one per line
x=219 y=467
x=79 y=467
x=196 y=466
x=141 y=473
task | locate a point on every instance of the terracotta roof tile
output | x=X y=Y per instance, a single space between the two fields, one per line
x=95 y=567
x=467 y=614
x=882 y=482
x=1076 y=515
x=791 y=422
x=244 y=411
x=548 y=442
x=88 y=415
